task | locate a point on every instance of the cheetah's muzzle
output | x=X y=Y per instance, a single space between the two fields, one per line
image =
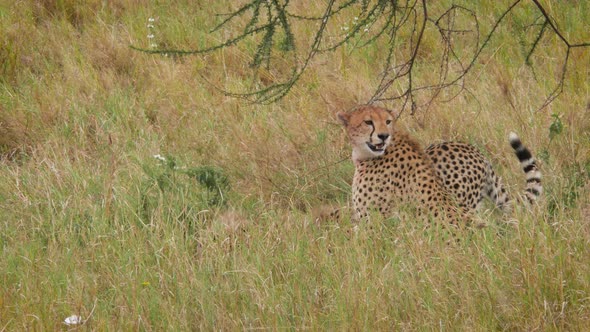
x=377 y=147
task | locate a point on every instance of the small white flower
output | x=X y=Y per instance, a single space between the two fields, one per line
x=356 y=18
x=150 y=26
x=73 y=320
x=153 y=45
x=159 y=157
x=150 y=36
x=151 y=19
x=366 y=29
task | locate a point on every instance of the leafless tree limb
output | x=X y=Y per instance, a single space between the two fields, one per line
x=270 y=24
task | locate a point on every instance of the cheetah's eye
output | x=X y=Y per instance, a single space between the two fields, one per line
x=388 y=122
x=369 y=122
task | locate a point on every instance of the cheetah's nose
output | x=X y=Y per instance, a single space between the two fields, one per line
x=383 y=137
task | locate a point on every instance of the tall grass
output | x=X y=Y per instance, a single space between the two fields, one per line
x=221 y=235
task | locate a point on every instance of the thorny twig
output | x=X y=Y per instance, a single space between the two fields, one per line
x=269 y=24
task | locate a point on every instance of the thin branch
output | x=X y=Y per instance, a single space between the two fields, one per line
x=277 y=91
x=320 y=18
x=469 y=66
x=535 y=43
x=379 y=21
x=240 y=11
x=554 y=27
x=205 y=50
x=413 y=60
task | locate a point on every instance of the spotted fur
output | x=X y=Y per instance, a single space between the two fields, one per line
x=392 y=170
x=470 y=178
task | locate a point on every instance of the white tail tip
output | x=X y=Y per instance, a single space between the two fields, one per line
x=513 y=137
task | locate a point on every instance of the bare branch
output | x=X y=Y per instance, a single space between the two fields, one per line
x=554 y=27
x=380 y=21
x=539 y=36
x=549 y=21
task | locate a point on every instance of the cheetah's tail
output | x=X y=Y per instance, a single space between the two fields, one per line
x=533 y=176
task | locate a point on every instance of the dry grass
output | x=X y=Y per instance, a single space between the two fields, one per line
x=92 y=224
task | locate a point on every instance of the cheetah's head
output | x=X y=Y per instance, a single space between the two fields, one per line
x=369 y=129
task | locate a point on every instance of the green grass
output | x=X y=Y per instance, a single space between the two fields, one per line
x=221 y=235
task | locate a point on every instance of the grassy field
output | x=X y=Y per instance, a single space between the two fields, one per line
x=135 y=194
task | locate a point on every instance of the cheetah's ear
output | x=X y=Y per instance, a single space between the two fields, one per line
x=343 y=118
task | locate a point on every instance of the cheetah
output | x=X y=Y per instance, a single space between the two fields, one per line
x=447 y=180
x=391 y=169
